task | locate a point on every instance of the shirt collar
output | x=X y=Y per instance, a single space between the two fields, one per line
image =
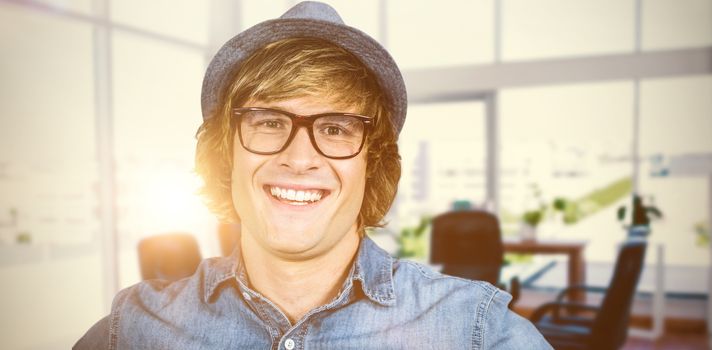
x=224 y=269
x=373 y=268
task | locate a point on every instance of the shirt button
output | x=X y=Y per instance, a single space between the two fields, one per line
x=289 y=344
x=246 y=296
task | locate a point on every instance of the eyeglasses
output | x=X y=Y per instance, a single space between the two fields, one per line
x=270 y=131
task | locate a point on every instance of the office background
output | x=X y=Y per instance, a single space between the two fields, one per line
x=513 y=103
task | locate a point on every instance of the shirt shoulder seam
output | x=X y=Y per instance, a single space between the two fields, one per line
x=116 y=316
x=479 y=329
x=436 y=275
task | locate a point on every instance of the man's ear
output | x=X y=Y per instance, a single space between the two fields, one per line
x=236 y=217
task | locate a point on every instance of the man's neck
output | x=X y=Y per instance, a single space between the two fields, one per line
x=298 y=286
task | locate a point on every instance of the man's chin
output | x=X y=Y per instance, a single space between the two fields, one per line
x=293 y=241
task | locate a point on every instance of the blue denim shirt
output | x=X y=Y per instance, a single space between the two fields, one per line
x=384 y=304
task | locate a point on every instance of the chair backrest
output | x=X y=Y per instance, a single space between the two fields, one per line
x=468 y=244
x=610 y=328
x=168 y=256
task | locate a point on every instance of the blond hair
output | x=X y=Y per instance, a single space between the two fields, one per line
x=293 y=68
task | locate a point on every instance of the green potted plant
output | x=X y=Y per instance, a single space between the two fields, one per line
x=530 y=220
x=532 y=217
x=412 y=240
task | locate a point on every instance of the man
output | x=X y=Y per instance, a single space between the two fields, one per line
x=298 y=145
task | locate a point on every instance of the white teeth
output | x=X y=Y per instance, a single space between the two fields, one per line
x=296 y=195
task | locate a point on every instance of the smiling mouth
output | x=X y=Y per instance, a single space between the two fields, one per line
x=296 y=197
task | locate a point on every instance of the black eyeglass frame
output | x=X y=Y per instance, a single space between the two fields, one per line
x=306 y=121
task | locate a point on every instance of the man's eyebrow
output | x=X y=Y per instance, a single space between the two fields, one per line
x=272 y=107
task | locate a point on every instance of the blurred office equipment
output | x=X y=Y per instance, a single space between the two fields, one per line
x=570 y=325
x=168 y=257
x=468 y=244
x=639 y=228
x=698 y=164
x=573 y=249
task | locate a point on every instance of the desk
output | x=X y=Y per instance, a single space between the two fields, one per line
x=574 y=249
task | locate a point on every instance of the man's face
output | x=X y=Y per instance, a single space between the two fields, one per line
x=294 y=228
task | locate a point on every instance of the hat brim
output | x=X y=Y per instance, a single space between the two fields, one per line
x=229 y=58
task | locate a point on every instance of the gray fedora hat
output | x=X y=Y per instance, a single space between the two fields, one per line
x=314 y=20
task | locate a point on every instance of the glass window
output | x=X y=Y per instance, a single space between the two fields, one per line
x=256 y=11
x=572 y=143
x=675 y=121
x=676 y=24
x=156 y=114
x=82 y=6
x=363 y=15
x=443 y=33
x=49 y=253
x=39 y=95
x=187 y=20
x=442 y=147
x=553 y=28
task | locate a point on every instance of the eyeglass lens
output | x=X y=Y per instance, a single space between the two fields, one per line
x=268 y=131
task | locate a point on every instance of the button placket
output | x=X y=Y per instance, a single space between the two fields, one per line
x=266 y=311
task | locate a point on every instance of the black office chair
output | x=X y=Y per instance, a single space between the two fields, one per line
x=168 y=257
x=468 y=244
x=568 y=325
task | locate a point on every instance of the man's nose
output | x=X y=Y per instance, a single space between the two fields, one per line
x=300 y=155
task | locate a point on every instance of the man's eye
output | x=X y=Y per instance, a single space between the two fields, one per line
x=272 y=124
x=333 y=131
